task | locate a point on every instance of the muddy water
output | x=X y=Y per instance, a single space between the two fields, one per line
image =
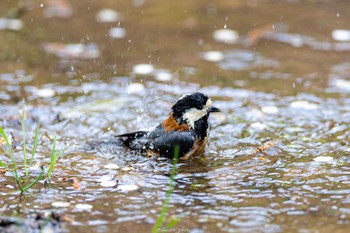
x=280 y=77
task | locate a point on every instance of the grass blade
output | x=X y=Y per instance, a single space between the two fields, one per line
x=34 y=181
x=13 y=162
x=8 y=144
x=161 y=218
x=173 y=223
x=24 y=144
x=2 y=164
x=52 y=159
x=36 y=138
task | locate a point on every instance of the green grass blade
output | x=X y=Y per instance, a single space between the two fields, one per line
x=3 y=164
x=36 y=138
x=24 y=144
x=53 y=159
x=34 y=181
x=55 y=155
x=8 y=144
x=164 y=211
x=173 y=223
x=13 y=162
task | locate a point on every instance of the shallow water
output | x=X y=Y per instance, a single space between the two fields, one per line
x=282 y=83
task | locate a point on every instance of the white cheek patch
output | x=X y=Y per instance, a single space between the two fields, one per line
x=195 y=114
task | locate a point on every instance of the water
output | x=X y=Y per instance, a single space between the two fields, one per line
x=278 y=158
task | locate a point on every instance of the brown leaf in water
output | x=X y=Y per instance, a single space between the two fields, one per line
x=76 y=183
x=255 y=35
x=266 y=146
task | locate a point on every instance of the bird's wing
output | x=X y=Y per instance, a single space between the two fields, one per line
x=164 y=143
x=135 y=141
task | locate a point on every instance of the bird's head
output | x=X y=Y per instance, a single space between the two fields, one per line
x=192 y=107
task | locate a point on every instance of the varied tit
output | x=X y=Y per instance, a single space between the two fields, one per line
x=187 y=128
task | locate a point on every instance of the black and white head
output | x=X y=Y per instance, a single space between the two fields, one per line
x=192 y=107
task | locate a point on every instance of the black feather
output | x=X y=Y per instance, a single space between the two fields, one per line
x=165 y=143
x=135 y=141
x=194 y=100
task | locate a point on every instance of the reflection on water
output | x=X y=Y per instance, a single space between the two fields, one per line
x=278 y=155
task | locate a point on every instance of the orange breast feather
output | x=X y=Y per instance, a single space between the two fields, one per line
x=170 y=124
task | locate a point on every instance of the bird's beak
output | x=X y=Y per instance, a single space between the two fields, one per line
x=214 y=109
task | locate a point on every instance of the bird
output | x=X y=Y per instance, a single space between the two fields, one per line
x=185 y=131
